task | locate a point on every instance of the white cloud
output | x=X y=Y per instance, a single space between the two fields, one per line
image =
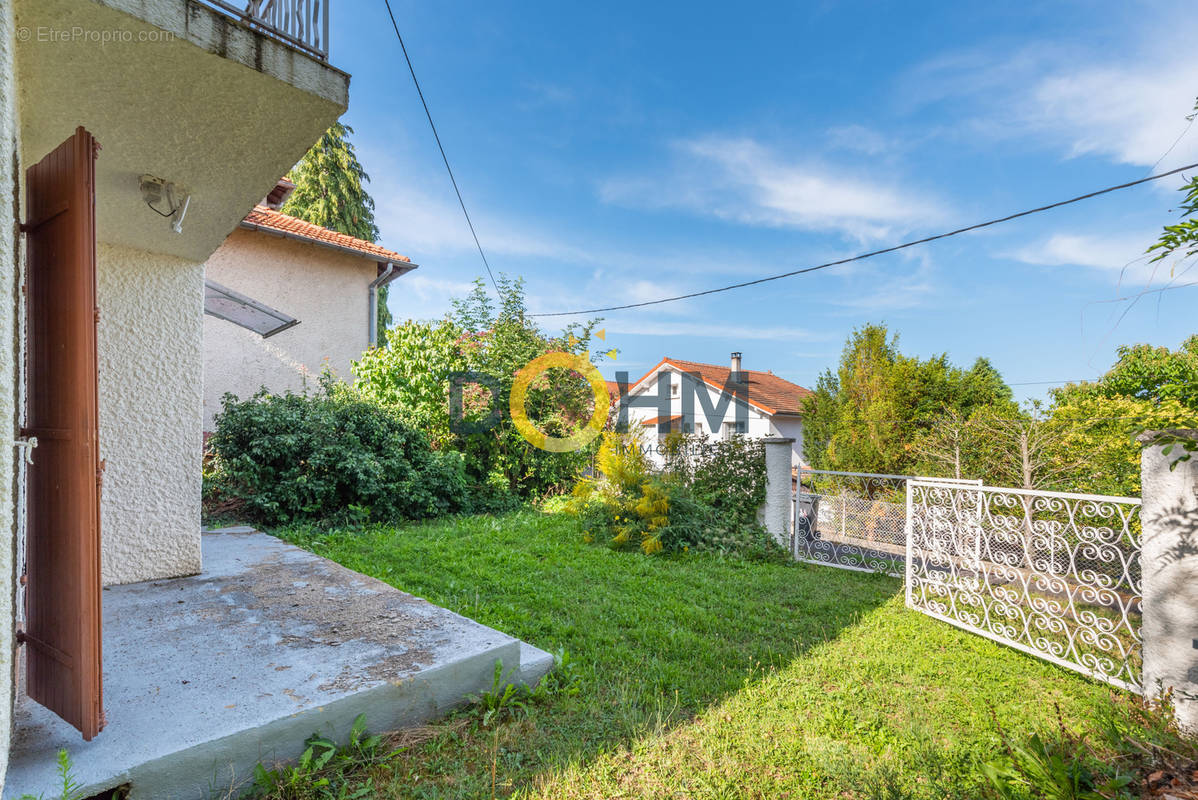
x=1121 y=256
x=1130 y=112
x=414 y=290
x=412 y=221
x=741 y=180
x=1127 y=103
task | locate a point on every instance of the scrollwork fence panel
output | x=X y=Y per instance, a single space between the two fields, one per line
x=852 y=520
x=1053 y=574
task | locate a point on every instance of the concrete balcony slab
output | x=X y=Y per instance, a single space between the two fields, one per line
x=207 y=675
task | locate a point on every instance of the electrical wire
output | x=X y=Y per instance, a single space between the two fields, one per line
x=871 y=253
x=970 y=422
x=441 y=147
x=1189 y=124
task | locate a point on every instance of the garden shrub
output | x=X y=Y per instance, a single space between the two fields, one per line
x=412 y=375
x=729 y=476
x=309 y=457
x=706 y=499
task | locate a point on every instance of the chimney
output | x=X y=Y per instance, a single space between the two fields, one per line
x=737 y=376
x=278 y=195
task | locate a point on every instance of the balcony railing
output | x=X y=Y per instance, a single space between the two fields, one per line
x=300 y=23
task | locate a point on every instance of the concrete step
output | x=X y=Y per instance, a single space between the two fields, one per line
x=208 y=675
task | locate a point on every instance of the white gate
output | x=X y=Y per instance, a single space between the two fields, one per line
x=852 y=520
x=1053 y=574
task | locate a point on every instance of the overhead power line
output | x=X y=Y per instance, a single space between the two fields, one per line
x=441 y=147
x=966 y=422
x=871 y=253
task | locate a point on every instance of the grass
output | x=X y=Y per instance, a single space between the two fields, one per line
x=704 y=677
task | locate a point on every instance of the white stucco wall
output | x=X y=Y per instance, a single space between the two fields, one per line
x=791 y=428
x=322 y=288
x=9 y=276
x=150 y=331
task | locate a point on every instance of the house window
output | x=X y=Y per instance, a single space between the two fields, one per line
x=732 y=428
x=698 y=427
x=673 y=386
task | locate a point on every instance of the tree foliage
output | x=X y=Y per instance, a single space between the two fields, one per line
x=1148 y=388
x=882 y=411
x=330 y=191
x=1181 y=239
x=413 y=376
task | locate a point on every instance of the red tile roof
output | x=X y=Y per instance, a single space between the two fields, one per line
x=613 y=391
x=269 y=219
x=656 y=420
x=767 y=391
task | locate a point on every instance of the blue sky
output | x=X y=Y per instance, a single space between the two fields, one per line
x=617 y=152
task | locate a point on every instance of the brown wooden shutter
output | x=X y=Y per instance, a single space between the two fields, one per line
x=62 y=637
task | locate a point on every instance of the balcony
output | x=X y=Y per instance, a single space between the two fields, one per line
x=181 y=90
x=303 y=24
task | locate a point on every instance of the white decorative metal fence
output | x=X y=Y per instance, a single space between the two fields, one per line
x=1053 y=574
x=852 y=520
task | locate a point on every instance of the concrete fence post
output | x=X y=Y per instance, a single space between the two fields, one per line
x=775 y=512
x=1170 y=578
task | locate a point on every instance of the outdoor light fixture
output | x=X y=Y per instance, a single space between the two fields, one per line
x=155 y=190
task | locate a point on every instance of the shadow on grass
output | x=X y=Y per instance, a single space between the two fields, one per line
x=657 y=640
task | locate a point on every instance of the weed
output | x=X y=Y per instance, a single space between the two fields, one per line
x=1135 y=749
x=71 y=789
x=501 y=700
x=325 y=771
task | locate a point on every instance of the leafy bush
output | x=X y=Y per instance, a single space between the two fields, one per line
x=727 y=475
x=413 y=374
x=707 y=499
x=294 y=457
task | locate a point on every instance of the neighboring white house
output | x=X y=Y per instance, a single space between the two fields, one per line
x=322 y=282
x=758 y=404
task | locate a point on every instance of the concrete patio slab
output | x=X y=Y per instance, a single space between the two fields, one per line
x=206 y=676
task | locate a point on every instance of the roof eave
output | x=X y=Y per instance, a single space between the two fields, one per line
x=400 y=266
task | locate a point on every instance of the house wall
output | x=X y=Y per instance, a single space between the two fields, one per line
x=322 y=288
x=761 y=425
x=10 y=262
x=791 y=428
x=151 y=307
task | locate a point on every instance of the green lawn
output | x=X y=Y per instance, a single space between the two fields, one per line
x=706 y=677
